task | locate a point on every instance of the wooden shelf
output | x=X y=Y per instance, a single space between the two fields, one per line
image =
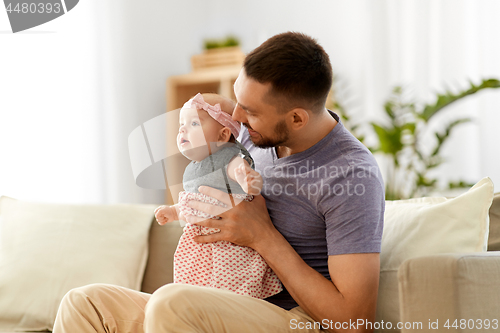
x=220 y=80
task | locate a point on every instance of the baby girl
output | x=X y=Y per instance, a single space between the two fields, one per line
x=207 y=136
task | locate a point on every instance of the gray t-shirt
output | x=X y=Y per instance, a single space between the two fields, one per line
x=326 y=200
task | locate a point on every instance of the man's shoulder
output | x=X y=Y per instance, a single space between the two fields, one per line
x=340 y=147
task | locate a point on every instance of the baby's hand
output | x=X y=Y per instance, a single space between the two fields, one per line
x=165 y=214
x=249 y=179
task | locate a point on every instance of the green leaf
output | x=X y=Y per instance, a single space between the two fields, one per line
x=446 y=99
x=388 y=107
x=410 y=127
x=441 y=137
x=433 y=162
x=422 y=181
x=459 y=184
x=389 y=139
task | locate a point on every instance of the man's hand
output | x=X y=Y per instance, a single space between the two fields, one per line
x=241 y=222
x=165 y=214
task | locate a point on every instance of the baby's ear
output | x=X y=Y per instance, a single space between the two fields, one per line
x=224 y=134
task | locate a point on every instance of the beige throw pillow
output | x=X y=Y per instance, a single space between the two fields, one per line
x=425 y=226
x=48 y=249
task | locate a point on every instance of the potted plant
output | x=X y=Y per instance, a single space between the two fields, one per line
x=217 y=53
x=400 y=139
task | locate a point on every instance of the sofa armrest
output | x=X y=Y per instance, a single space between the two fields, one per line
x=450 y=286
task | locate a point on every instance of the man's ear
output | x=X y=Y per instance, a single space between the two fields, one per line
x=298 y=118
x=224 y=136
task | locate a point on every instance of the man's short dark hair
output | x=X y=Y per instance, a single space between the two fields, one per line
x=297 y=67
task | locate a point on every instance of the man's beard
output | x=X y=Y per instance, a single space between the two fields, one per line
x=282 y=135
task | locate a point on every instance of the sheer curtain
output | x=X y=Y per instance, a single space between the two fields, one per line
x=73 y=89
x=49 y=124
x=69 y=99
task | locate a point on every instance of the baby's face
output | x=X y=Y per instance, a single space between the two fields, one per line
x=196 y=128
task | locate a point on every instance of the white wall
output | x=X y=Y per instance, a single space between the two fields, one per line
x=70 y=98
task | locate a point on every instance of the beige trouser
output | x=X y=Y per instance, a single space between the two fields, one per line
x=173 y=308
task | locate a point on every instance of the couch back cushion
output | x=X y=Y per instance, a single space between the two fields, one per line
x=494 y=237
x=162 y=244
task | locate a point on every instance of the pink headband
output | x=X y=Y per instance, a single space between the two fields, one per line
x=223 y=118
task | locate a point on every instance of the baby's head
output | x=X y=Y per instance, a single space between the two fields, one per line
x=204 y=124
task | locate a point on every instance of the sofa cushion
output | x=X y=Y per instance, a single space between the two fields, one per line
x=163 y=241
x=426 y=226
x=48 y=249
x=494 y=237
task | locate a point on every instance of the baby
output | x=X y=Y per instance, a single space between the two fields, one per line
x=207 y=137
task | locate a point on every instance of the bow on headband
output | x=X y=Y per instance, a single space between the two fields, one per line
x=223 y=118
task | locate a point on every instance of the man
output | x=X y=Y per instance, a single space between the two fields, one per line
x=318 y=223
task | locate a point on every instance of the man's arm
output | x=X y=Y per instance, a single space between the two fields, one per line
x=352 y=293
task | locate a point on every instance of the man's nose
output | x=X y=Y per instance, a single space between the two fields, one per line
x=239 y=114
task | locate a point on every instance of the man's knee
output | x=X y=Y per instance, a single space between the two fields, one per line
x=175 y=298
x=171 y=308
x=77 y=297
x=168 y=297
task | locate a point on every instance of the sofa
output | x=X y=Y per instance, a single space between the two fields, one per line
x=433 y=287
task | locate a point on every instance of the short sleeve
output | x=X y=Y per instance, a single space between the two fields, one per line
x=354 y=214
